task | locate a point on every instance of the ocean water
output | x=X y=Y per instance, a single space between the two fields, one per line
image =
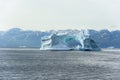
x=33 y=64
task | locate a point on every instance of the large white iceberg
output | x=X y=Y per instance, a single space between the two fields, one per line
x=69 y=41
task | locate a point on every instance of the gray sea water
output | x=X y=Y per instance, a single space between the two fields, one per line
x=33 y=64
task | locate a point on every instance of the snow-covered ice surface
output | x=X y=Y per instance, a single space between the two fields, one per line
x=33 y=64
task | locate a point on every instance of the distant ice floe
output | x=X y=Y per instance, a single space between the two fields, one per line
x=69 y=41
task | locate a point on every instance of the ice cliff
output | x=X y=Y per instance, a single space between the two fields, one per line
x=69 y=41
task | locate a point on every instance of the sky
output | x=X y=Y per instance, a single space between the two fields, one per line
x=60 y=14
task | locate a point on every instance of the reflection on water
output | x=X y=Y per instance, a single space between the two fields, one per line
x=59 y=65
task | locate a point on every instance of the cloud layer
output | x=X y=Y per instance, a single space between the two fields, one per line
x=60 y=14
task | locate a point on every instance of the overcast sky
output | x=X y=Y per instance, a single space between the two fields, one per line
x=60 y=14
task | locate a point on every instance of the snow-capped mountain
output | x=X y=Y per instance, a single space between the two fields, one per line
x=20 y=38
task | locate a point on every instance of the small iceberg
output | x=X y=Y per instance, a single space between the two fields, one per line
x=69 y=41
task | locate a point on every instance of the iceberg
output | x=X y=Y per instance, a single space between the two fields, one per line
x=69 y=41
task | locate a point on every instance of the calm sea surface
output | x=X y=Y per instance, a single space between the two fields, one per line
x=33 y=64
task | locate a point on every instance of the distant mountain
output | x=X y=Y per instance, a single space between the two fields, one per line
x=16 y=37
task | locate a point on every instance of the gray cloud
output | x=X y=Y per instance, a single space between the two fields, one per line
x=59 y=14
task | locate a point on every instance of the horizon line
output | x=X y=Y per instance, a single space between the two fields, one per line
x=55 y=29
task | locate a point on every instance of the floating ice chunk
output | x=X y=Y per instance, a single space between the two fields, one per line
x=66 y=41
